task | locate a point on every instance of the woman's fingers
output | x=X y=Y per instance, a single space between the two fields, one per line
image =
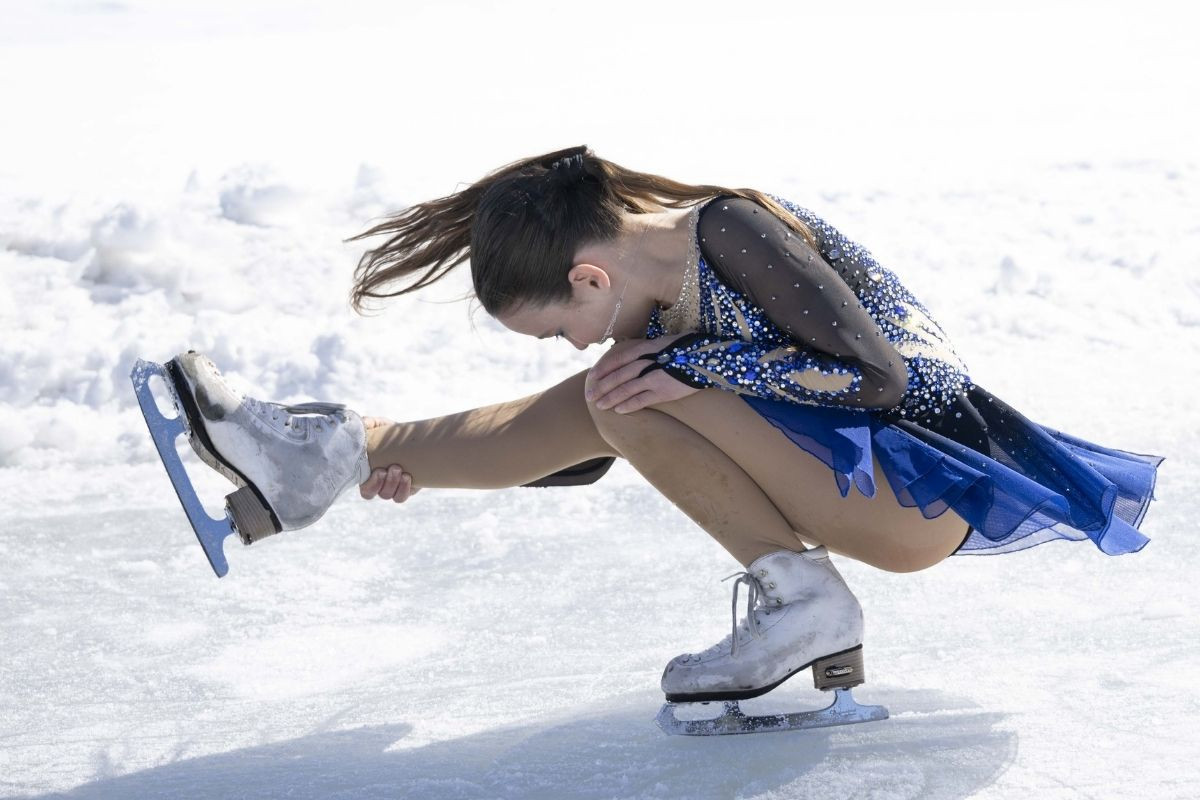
x=405 y=488
x=370 y=487
x=653 y=388
x=392 y=483
x=622 y=385
x=619 y=385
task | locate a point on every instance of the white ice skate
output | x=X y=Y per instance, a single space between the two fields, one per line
x=290 y=462
x=800 y=614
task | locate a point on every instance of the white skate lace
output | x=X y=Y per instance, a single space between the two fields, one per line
x=751 y=624
x=298 y=422
x=752 y=592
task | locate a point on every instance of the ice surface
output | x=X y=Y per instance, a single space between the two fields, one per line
x=183 y=175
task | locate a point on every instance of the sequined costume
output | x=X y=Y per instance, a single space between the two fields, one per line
x=833 y=350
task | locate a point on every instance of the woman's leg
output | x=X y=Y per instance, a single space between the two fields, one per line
x=497 y=446
x=742 y=480
x=701 y=480
x=732 y=472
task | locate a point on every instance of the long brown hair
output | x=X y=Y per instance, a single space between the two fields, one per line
x=521 y=225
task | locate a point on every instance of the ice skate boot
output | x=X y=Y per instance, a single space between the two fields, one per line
x=290 y=462
x=800 y=614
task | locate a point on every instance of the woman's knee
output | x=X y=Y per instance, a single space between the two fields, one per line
x=630 y=429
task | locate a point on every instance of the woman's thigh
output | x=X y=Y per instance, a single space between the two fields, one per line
x=876 y=530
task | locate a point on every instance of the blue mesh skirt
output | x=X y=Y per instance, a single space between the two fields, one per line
x=1016 y=483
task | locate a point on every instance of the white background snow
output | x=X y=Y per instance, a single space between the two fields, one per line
x=182 y=175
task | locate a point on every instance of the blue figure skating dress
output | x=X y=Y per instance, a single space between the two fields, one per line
x=836 y=353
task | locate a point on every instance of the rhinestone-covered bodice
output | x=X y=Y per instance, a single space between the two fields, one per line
x=935 y=372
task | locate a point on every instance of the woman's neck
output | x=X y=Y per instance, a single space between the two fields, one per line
x=662 y=256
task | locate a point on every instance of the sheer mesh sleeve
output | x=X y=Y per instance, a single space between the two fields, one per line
x=832 y=351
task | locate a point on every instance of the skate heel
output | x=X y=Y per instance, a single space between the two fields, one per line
x=840 y=670
x=250 y=515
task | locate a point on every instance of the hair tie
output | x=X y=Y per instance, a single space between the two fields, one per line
x=572 y=162
x=569 y=169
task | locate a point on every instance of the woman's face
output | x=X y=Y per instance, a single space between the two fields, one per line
x=584 y=319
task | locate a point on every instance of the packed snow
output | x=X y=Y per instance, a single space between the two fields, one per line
x=184 y=175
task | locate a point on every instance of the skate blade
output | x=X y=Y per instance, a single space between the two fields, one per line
x=842 y=711
x=210 y=532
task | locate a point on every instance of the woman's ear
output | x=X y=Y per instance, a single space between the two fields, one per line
x=588 y=273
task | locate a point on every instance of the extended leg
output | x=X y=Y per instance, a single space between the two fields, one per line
x=497 y=446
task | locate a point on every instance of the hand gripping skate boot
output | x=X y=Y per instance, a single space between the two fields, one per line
x=800 y=614
x=289 y=462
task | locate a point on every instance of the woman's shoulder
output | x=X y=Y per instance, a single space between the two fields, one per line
x=728 y=226
x=726 y=201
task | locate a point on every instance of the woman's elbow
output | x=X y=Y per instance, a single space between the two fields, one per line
x=885 y=387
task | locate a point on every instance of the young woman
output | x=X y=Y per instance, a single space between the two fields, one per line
x=757 y=351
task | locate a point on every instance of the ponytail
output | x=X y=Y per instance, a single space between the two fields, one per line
x=521 y=225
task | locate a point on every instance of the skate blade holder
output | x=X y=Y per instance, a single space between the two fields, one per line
x=844 y=710
x=838 y=671
x=210 y=532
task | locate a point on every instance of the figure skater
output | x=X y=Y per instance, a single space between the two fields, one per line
x=757 y=352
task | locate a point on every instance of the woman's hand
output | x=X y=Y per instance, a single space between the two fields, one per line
x=391 y=483
x=614 y=381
